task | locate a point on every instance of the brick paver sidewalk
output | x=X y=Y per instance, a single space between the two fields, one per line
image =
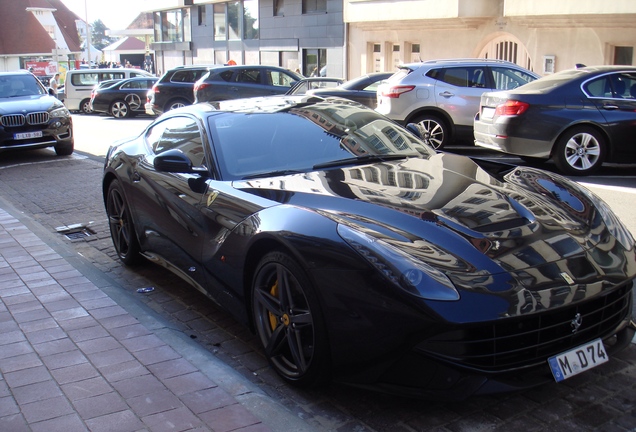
x=72 y=359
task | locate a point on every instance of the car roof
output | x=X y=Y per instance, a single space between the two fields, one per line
x=16 y=72
x=457 y=61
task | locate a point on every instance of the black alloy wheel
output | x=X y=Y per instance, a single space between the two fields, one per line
x=289 y=321
x=122 y=230
x=580 y=151
x=433 y=130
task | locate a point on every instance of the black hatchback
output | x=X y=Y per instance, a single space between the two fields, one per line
x=31 y=117
x=580 y=118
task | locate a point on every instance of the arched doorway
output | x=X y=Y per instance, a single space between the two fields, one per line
x=509 y=48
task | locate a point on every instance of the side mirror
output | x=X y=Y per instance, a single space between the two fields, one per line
x=173 y=161
x=52 y=92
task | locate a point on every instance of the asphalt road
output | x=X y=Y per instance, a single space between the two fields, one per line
x=63 y=191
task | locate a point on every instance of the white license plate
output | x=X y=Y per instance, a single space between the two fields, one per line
x=487 y=112
x=578 y=360
x=27 y=135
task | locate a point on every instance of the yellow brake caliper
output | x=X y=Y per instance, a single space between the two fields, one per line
x=273 y=322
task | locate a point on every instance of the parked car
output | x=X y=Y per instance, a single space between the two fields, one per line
x=301 y=87
x=359 y=253
x=79 y=84
x=362 y=89
x=579 y=118
x=31 y=117
x=123 y=98
x=233 y=82
x=174 y=89
x=442 y=96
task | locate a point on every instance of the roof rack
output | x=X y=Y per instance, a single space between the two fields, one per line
x=457 y=60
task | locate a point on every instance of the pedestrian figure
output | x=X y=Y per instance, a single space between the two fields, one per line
x=54 y=83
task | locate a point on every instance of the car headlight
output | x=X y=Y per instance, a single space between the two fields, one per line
x=59 y=112
x=412 y=275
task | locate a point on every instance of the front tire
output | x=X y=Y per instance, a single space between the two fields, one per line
x=289 y=321
x=65 y=149
x=580 y=151
x=434 y=131
x=122 y=229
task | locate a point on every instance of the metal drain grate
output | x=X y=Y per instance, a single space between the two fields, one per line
x=75 y=231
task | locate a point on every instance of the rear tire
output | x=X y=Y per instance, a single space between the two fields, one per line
x=580 y=151
x=85 y=106
x=122 y=228
x=177 y=103
x=434 y=131
x=119 y=109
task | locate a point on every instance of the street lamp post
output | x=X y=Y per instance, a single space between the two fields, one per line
x=88 y=35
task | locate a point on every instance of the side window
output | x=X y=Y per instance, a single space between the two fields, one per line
x=185 y=76
x=617 y=86
x=84 y=79
x=249 y=76
x=508 y=79
x=178 y=133
x=465 y=77
x=278 y=78
x=227 y=75
x=597 y=88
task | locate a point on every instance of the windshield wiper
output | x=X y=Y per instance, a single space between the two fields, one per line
x=361 y=159
x=273 y=174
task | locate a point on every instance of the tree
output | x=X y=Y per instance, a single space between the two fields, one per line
x=98 y=35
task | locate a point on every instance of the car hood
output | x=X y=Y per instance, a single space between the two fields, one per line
x=529 y=227
x=24 y=104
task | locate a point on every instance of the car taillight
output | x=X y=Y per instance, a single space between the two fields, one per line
x=511 y=108
x=199 y=86
x=396 y=91
x=155 y=88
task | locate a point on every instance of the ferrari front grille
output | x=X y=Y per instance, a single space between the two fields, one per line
x=526 y=341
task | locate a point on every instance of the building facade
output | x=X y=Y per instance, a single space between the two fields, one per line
x=542 y=35
x=304 y=35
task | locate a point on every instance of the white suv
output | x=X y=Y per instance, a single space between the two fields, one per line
x=443 y=96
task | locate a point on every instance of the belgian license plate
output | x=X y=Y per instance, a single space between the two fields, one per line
x=487 y=112
x=27 y=135
x=578 y=360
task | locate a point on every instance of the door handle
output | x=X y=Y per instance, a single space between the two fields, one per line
x=447 y=94
x=610 y=107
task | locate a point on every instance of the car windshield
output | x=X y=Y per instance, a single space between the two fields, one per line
x=20 y=85
x=300 y=138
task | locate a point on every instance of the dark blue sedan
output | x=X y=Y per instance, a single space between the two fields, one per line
x=579 y=118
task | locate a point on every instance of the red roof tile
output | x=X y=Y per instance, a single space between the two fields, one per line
x=21 y=32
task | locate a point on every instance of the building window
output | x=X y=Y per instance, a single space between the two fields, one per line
x=314 y=62
x=201 y=14
x=233 y=20
x=415 y=49
x=623 y=55
x=172 y=26
x=376 y=48
x=312 y=6
x=250 y=19
x=279 y=7
x=219 y=21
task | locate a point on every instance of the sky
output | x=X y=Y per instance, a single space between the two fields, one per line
x=115 y=14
